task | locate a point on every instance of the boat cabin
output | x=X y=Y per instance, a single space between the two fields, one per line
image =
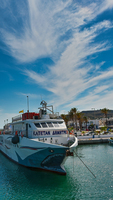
x=39 y=126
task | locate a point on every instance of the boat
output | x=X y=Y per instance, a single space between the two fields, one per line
x=38 y=140
x=111 y=140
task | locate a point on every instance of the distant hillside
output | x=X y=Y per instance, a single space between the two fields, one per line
x=94 y=114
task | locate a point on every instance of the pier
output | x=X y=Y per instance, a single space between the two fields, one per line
x=93 y=139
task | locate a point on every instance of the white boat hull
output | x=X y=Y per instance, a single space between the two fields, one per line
x=35 y=154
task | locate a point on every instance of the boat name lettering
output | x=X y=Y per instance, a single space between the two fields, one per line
x=58 y=132
x=41 y=133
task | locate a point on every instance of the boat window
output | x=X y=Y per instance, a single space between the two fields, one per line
x=44 y=125
x=37 y=125
x=49 y=124
x=55 y=124
x=29 y=126
x=61 y=124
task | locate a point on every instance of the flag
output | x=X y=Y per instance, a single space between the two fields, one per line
x=21 y=111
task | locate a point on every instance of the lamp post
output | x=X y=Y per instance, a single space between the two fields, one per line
x=28 y=104
x=74 y=121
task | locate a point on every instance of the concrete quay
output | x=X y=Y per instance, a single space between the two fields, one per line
x=93 y=141
x=96 y=140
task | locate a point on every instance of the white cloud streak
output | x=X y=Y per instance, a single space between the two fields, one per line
x=67 y=76
x=32 y=96
x=48 y=22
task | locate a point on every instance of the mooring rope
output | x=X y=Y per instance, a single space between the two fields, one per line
x=84 y=164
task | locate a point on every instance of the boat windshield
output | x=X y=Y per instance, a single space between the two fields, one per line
x=61 y=124
x=56 y=124
x=44 y=125
x=38 y=125
x=50 y=124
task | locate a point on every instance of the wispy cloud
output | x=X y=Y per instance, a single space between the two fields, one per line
x=63 y=31
x=94 y=100
x=44 y=25
x=32 y=96
x=71 y=74
x=7 y=75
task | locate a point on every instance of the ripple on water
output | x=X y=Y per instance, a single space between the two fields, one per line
x=18 y=183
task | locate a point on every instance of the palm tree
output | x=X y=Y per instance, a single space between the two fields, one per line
x=64 y=117
x=73 y=116
x=85 y=120
x=105 y=112
x=80 y=119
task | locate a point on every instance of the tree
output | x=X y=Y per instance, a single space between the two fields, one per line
x=104 y=128
x=85 y=120
x=80 y=119
x=105 y=112
x=73 y=115
x=64 y=117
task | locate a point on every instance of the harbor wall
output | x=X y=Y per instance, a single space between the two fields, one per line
x=96 y=139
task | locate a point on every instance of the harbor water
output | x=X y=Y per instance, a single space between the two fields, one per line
x=19 y=183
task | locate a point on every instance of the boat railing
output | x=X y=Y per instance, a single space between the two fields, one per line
x=63 y=139
x=17 y=118
x=72 y=147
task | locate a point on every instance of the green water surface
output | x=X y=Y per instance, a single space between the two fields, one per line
x=19 y=183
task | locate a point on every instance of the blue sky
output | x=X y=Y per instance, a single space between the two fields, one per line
x=60 y=51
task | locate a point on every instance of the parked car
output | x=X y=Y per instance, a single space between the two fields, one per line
x=86 y=133
x=77 y=133
x=105 y=132
x=89 y=133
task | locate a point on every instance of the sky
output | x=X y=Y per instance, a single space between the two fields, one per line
x=58 y=51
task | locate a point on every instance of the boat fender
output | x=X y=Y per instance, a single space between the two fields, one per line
x=22 y=135
x=68 y=153
x=16 y=133
x=15 y=139
x=72 y=132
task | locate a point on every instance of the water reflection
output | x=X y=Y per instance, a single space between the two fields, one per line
x=18 y=183
x=25 y=183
